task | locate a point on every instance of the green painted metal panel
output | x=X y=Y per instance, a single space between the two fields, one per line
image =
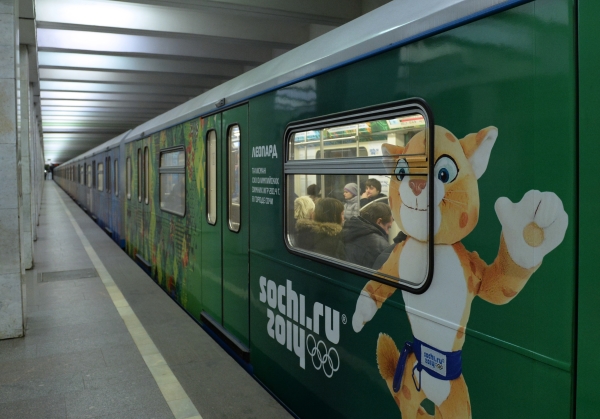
x=175 y=256
x=588 y=339
x=515 y=71
x=235 y=244
x=212 y=257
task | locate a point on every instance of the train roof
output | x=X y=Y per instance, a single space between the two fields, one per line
x=394 y=24
x=102 y=147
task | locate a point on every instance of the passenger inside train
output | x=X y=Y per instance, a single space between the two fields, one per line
x=366 y=236
x=372 y=192
x=322 y=234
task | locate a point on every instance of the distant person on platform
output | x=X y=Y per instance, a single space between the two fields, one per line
x=372 y=192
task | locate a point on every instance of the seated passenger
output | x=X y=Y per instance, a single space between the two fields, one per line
x=383 y=257
x=352 y=206
x=366 y=236
x=323 y=233
x=304 y=208
x=372 y=192
x=313 y=191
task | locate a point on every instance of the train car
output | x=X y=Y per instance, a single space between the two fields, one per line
x=477 y=117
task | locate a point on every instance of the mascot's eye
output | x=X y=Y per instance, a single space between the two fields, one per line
x=445 y=169
x=401 y=169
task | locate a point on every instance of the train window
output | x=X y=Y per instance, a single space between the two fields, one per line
x=211 y=175
x=89 y=175
x=128 y=177
x=116 y=177
x=146 y=175
x=339 y=173
x=81 y=175
x=108 y=174
x=140 y=179
x=100 y=182
x=172 y=181
x=233 y=162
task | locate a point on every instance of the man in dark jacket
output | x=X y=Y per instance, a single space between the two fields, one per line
x=384 y=256
x=366 y=236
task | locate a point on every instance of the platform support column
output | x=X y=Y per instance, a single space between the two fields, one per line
x=11 y=296
x=25 y=163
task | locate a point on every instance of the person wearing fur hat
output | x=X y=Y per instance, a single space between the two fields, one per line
x=322 y=234
x=352 y=205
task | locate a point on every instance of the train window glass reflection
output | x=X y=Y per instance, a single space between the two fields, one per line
x=100 y=182
x=338 y=181
x=233 y=162
x=354 y=140
x=81 y=174
x=172 y=181
x=89 y=175
x=211 y=174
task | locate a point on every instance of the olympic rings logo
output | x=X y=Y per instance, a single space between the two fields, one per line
x=328 y=359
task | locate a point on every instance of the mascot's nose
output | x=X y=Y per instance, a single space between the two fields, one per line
x=417 y=185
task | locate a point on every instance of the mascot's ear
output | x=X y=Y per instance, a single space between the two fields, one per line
x=389 y=152
x=478 y=147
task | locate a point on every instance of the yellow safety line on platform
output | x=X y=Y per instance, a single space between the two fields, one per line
x=176 y=397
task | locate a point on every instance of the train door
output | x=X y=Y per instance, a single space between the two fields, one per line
x=147 y=201
x=225 y=268
x=111 y=175
x=212 y=244
x=234 y=184
x=135 y=199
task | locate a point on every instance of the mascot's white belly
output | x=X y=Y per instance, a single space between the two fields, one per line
x=434 y=315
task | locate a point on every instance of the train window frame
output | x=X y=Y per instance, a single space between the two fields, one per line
x=172 y=170
x=89 y=176
x=100 y=174
x=94 y=170
x=146 y=175
x=116 y=177
x=140 y=179
x=107 y=174
x=372 y=166
x=128 y=177
x=233 y=225
x=212 y=177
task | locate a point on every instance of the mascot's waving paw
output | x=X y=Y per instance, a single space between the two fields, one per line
x=365 y=310
x=532 y=227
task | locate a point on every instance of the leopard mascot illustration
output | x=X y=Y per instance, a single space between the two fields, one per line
x=430 y=367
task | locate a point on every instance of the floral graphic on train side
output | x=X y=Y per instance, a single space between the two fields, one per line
x=430 y=365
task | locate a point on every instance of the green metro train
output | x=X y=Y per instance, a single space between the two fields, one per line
x=476 y=122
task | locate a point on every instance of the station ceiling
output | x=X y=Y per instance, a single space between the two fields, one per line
x=105 y=66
